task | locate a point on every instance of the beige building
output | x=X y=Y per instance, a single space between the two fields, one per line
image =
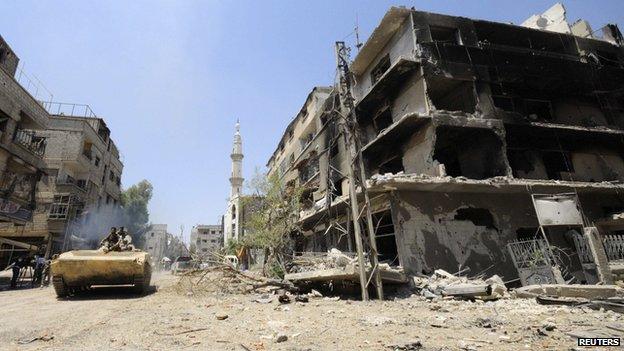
x=22 y=119
x=298 y=158
x=206 y=239
x=83 y=179
x=58 y=163
x=463 y=124
x=156 y=242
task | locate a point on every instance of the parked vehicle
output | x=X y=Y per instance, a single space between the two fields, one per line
x=182 y=264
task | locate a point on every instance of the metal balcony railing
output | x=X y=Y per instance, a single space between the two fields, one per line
x=29 y=140
x=68 y=109
x=69 y=180
x=87 y=154
x=58 y=211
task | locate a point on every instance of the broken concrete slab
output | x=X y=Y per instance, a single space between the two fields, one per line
x=468 y=290
x=560 y=290
x=349 y=273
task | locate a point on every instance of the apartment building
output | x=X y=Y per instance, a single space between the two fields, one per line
x=469 y=130
x=58 y=162
x=206 y=239
x=22 y=147
x=156 y=243
x=83 y=169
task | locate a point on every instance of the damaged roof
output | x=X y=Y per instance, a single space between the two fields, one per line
x=389 y=24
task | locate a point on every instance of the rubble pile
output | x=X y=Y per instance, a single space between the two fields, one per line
x=443 y=284
x=336 y=266
x=224 y=279
x=308 y=262
x=218 y=279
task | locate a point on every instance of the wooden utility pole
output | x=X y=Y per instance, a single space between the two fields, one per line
x=347 y=126
x=371 y=229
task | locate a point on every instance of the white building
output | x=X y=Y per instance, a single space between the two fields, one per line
x=156 y=241
x=206 y=238
x=232 y=219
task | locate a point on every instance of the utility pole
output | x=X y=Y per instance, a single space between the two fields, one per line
x=347 y=126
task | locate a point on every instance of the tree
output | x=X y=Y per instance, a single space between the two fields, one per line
x=272 y=220
x=134 y=201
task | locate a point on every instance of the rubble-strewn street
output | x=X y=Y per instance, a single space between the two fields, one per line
x=452 y=181
x=170 y=318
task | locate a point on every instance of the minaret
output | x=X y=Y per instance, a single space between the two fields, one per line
x=236 y=180
x=231 y=220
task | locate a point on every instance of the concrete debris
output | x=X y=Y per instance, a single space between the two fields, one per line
x=573 y=291
x=334 y=258
x=44 y=337
x=314 y=293
x=549 y=326
x=406 y=346
x=283 y=299
x=336 y=266
x=443 y=283
x=264 y=299
x=225 y=279
x=302 y=298
x=377 y=320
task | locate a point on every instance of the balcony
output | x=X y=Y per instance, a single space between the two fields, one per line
x=68 y=109
x=58 y=211
x=67 y=180
x=16 y=192
x=30 y=141
x=17 y=186
x=88 y=154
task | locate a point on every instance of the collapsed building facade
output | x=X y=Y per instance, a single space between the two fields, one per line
x=466 y=126
x=162 y=245
x=61 y=165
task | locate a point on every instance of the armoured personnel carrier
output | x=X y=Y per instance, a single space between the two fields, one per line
x=82 y=269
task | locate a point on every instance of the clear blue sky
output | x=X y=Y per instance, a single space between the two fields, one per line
x=171 y=77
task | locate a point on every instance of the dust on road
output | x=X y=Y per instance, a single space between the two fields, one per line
x=168 y=319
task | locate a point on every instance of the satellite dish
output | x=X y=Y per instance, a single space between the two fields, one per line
x=542 y=22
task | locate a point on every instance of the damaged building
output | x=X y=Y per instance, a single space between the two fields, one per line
x=83 y=175
x=477 y=138
x=63 y=165
x=22 y=147
x=206 y=239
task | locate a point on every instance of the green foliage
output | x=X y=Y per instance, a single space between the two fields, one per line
x=273 y=213
x=134 y=201
x=233 y=246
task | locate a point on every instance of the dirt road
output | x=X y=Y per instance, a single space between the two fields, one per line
x=168 y=319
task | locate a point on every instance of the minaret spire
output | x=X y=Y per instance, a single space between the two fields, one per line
x=236 y=180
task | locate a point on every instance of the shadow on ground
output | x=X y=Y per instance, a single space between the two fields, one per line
x=109 y=292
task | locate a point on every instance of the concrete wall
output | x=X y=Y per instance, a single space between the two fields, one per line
x=305 y=122
x=418 y=152
x=206 y=239
x=156 y=242
x=400 y=45
x=429 y=237
x=8 y=59
x=434 y=230
x=412 y=98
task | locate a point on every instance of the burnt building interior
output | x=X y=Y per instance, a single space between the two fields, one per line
x=462 y=122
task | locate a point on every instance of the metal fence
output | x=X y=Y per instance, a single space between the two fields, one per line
x=68 y=109
x=29 y=140
x=58 y=211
